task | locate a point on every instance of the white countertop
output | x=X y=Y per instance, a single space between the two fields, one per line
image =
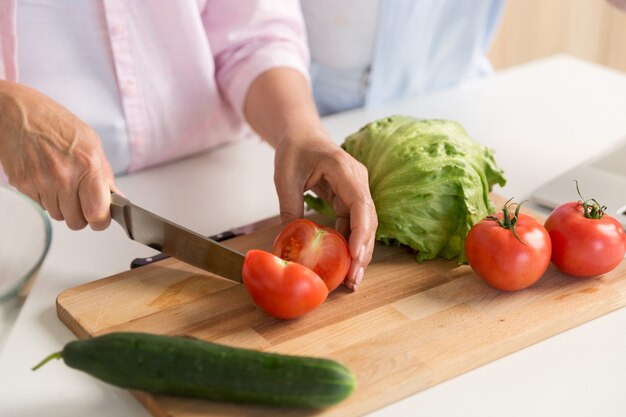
x=541 y=118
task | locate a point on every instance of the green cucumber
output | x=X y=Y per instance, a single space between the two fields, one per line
x=189 y=367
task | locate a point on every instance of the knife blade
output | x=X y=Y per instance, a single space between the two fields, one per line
x=174 y=240
x=219 y=237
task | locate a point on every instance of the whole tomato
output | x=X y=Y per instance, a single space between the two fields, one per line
x=319 y=248
x=281 y=288
x=586 y=242
x=508 y=252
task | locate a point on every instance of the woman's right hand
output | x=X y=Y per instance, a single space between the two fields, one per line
x=50 y=155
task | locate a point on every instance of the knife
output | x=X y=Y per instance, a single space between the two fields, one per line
x=174 y=240
x=266 y=223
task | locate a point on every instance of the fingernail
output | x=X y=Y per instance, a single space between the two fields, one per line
x=361 y=254
x=354 y=287
x=359 y=276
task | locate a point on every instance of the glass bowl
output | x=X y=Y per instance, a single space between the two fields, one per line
x=25 y=236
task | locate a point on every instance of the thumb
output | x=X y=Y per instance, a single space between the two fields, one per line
x=95 y=198
x=290 y=199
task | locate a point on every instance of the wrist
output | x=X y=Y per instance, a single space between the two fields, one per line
x=298 y=134
x=280 y=108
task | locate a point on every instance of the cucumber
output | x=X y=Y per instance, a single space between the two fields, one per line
x=189 y=367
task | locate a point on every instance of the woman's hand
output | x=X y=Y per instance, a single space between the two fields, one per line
x=279 y=107
x=54 y=158
x=315 y=163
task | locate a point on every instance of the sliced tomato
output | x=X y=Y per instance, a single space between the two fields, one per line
x=319 y=248
x=282 y=289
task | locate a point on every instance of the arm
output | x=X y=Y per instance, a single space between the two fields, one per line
x=261 y=60
x=279 y=107
x=54 y=158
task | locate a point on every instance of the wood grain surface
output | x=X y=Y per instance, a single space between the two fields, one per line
x=408 y=327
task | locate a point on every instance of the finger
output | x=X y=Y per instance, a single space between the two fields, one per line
x=109 y=177
x=50 y=202
x=323 y=191
x=342 y=222
x=342 y=225
x=94 y=193
x=342 y=219
x=350 y=184
x=69 y=204
x=362 y=230
x=290 y=199
x=357 y=267
x=361 y=242
x=115 y=190
x=342 y=214
x=113 y=187
x=47 y=202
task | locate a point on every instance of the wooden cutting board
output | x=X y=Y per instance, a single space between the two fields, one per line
x=409 y=326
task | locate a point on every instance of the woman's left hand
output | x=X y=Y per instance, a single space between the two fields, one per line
x=280 y=108
x=315 y=163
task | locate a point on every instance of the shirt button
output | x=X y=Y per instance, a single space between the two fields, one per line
x=118 y=29
x=128 y=88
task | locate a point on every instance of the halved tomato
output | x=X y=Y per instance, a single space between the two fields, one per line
x=318 y=248
x=281 y=288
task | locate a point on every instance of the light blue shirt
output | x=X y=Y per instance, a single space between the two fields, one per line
x=421 y=46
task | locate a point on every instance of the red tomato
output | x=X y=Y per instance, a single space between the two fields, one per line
x=504 y=262
x=584 y=247
x=282 y=289
x=319 y=248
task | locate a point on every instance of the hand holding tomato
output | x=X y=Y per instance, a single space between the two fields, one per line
x=586 y=242
x=508 y=252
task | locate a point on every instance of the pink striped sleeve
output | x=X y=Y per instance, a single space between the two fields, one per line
x=8 y=57
x=249 y=37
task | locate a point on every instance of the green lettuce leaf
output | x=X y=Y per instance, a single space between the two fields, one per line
x=429 y=181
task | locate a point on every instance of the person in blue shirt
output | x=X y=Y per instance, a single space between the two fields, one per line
x=371 y=52
x=366 y=53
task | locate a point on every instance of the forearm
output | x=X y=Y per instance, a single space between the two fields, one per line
x=279 y=106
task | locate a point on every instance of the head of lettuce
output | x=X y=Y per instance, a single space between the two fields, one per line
x=429 y=180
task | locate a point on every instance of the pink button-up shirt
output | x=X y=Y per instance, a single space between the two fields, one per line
x=184 y=67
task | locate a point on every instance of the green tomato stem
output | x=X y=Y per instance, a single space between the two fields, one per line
x=507 y=221
x=591 y=211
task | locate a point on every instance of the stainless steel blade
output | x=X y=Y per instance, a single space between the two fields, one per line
x=176 y=241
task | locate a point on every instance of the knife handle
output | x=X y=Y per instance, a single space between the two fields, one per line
x=137 y=262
